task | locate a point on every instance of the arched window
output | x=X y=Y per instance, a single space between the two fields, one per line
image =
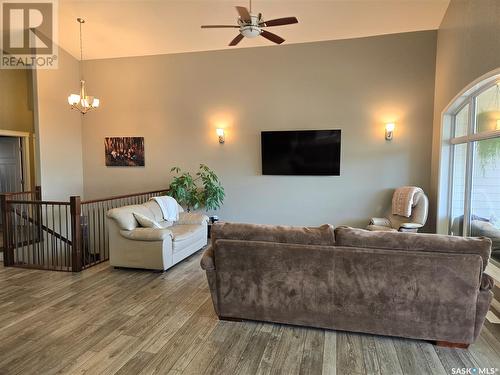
x=470 y=164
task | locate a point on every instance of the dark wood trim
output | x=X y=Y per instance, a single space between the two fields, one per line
x=456 y=345
x=55 y=203
x=76 y=234
x=18 y=193
x=124 y=196
x=8 y=252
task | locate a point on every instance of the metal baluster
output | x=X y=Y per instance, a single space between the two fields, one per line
x=105 y=245
x=86 y=239
x=93 y=231
x=33 y=248
x=49 y=238
x=68 y=236
x=26 y=234
x=63 y=255
x=16 y=239
x=99 y=227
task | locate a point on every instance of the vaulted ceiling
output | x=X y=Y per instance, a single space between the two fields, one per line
x=118 y=28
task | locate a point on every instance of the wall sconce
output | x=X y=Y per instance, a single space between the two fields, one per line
x=498 y=124
x=221 y=135
x=389 y=131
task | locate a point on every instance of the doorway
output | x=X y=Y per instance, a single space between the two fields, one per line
x=11 y=164
x=11 y=169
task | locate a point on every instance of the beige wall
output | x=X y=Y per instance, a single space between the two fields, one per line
x=177 y=101
x=468 y=47
x=16 y=110
x=16 y=107
x=59 y=130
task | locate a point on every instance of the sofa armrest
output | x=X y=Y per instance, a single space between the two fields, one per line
x=192 y=218
x=207 y=260
x=380 y=222
x=147 y=234
x=411 y=225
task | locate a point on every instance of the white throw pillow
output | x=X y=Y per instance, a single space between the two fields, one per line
x=145 y=221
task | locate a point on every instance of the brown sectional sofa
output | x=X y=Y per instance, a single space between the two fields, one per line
x=419 y=286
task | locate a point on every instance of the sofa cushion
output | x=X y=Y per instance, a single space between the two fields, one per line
x=184 y=231
x=165 y=224
x=186 y=235
x=154 y=207
x=323 y=235
x=145 y=221
x=146 y=234
x=353 y=237
x=124 y=216
x=155 y=210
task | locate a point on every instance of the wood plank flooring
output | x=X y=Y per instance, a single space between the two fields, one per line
x=109 y=321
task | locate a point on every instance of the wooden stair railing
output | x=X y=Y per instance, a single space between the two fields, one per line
x=64 y=236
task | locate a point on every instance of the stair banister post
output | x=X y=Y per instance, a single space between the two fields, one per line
x=7 y=247
x=76 y=233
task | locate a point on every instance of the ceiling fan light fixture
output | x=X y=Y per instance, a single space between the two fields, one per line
x=250 y=31
x=253 y=25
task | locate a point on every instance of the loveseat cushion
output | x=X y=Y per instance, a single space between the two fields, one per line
x=147 y=234
x=353 y=237
x=185 y=231
x=165 y=224
x=124 y=216
x=145 y=221
x=323 y=235
x=187 y=235
x=155 y=210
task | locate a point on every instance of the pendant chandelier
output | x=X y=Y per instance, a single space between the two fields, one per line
x=82 y=102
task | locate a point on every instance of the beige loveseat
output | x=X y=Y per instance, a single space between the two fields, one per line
x=153 y=248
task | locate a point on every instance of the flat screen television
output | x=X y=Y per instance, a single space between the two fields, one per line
x=301 y=152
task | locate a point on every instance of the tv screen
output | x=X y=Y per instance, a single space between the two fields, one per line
x=301 y=153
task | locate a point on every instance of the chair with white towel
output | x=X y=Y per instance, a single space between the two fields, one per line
x=408 y=212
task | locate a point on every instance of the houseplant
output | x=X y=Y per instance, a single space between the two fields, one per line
x=202 y=190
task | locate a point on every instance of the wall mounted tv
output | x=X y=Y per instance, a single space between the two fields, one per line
x=301 y=152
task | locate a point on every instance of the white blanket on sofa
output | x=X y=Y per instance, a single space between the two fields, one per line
x=169 y=207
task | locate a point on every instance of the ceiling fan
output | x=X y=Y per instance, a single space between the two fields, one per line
x=252 y=25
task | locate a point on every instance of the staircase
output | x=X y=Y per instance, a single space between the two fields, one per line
x=59 y=235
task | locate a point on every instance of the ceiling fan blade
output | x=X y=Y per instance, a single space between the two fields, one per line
x=218 y=26
x=244 y=14
x=280 y=21
x=272 y=37
x=236 y=40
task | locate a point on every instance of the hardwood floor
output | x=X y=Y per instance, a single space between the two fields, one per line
x=109 y=321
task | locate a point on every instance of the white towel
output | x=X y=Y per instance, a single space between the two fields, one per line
x=169 y=207
x=403 y=200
